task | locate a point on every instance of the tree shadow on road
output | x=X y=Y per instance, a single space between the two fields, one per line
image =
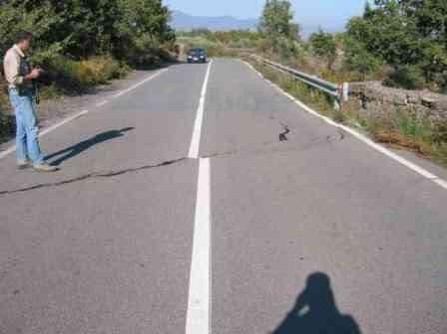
x=72 y=151
x=315 y=311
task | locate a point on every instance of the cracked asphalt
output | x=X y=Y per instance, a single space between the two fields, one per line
x=309 y=225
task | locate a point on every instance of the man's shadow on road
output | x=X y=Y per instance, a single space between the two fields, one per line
x=72 y=151
x=315 y=311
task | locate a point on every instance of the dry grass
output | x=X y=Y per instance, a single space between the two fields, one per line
x=396 y=139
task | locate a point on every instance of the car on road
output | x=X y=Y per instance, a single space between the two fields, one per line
x=197 y=55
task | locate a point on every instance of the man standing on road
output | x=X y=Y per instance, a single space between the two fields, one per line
x=20 y=76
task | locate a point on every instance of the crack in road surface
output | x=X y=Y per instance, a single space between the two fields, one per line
x=283 y=135
x=104 y=174
x=267 y=148
x=256 y=152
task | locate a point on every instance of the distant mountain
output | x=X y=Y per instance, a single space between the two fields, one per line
x=183 y=21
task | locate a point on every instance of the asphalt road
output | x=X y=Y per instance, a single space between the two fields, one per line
x=297 y=228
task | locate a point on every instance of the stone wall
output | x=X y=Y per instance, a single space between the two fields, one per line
x=377 y=100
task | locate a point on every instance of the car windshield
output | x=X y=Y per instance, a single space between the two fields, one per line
x=197 y=52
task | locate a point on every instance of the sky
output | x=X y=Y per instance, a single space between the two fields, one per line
x=315 y=12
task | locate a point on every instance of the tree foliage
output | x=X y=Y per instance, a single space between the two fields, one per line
x=277 y=19
x=406 y=34
x=84 y=28
x=233 y=38
x=81 y=43
x=324 y=46
x=280 y=32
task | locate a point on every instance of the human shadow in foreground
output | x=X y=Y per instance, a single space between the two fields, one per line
x=315 y=311
x=72 y=151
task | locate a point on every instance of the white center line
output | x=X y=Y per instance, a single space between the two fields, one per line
x=197 y=132
x=198 y=313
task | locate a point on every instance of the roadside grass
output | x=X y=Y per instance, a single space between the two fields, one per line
x=398 y=129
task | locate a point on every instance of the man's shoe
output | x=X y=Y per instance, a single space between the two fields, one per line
x=44 y=167
x=23 y=164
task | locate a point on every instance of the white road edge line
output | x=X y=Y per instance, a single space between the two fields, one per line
x=8 y=151
x=410 y=165
x=100 y=104
x=197 y=132
x=153 y=76
x=198 y=312
x=45 y=132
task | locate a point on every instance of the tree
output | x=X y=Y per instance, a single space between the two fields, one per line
x=83 y=28
x=277 y=21
x=279 y=31
x=324 y=46
x=15 y=17
x=406 y=34
x=430 y=17
x=143 y=27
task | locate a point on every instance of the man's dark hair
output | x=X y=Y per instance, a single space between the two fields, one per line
x=23 y=36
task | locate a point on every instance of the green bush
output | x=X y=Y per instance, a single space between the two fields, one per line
x=6 y=126
x=6 y=120
x=104 y=68
x=409 y=36
x=243 y=43
x=408 y=77
x=440 y=132
x=358 y=59
x=72 y=75
x=324 y=46
x=288 y=48
x=441 y=82
x=410 y=126
x=197 y=42
x=82 y=29
x=145 y=51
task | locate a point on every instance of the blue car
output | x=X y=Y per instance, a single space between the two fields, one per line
x=197 y=55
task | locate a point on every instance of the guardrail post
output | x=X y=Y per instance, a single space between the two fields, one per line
x=346 y=91
x=336 y=104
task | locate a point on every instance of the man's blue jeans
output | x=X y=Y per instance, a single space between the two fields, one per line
x=27 y=133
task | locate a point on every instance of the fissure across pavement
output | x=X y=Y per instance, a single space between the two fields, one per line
x=107 y=174
x=93 y=175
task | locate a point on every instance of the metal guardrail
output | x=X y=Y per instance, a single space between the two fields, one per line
x=338 y=92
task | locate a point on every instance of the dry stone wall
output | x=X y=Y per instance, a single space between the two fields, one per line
x=377 y=100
